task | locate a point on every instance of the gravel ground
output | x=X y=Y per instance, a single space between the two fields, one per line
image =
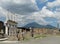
x=46 y=40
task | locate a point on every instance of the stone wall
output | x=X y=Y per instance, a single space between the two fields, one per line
x=28 y=34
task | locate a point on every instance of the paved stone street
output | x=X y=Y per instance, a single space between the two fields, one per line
x=47 y=40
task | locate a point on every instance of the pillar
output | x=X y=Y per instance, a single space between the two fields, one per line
x=6 y=30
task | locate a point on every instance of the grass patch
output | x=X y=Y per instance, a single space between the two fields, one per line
x=39 y=36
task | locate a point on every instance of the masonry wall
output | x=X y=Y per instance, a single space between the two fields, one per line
x=36 y=31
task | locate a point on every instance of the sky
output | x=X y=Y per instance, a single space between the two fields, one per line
x=43 y=12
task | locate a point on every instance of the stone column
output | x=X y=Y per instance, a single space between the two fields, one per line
x=6 y=30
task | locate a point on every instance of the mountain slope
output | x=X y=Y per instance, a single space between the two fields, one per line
x=49 y=26
x=33 y=25
x=36 y=25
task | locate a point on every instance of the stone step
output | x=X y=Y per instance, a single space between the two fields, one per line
x=2 y=39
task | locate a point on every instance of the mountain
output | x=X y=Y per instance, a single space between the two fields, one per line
x=33 y=25
x=49 y=26
x=36 y=25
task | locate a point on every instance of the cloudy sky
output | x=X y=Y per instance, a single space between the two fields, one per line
x=26 y=11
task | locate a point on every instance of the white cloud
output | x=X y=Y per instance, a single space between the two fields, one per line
x=30 y=7
x=19 y=6
x=20 y=1
x=42 y=1
x=46 y=12
x=23 y=1
x=42 y=14
x=54 y=4
x=57 y=15
x=34 y=1
x=2 y=12
x=58 y=9
x=39 y=16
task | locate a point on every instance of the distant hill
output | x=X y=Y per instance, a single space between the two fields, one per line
x=49 y=26
x=33 y=25
x=36 y=25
